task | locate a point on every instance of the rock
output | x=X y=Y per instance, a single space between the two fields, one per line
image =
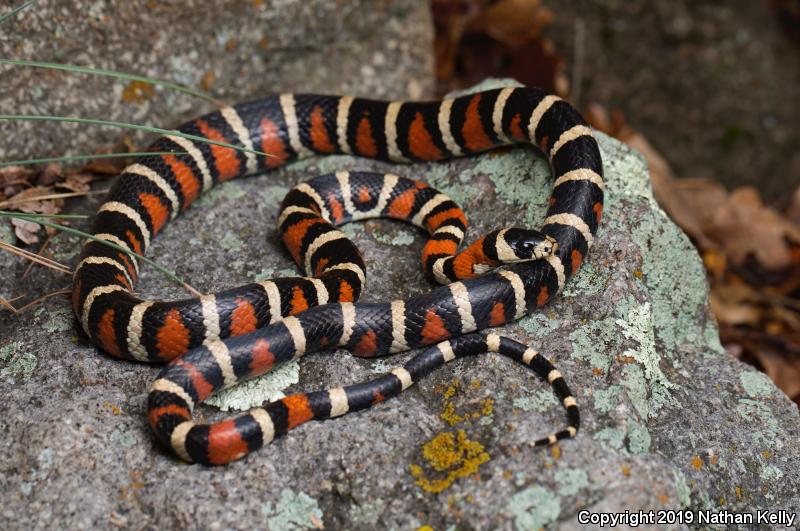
x=235 y=51
x=671 y=421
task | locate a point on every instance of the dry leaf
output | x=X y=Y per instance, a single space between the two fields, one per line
x=25 y=230
x=77 y=182
x=513 y=22
x=793 y=211
x=51 y=174
x=743 y=225
x=14 y=179
x=735 y=304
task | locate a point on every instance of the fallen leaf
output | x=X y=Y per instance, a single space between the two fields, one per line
x=77 y=182
x=14 y=179
x=51 y=174
x=26 y=230
x=743 y=225
x=735 y=304
x=512 y=22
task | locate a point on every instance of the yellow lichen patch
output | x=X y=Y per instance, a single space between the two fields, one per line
x=555 y=451
x=714 y=459
x=449 y=413
x=626 y=470
x=697 y=462
x=597 y=371
x=766 y=454
x=114 y=409
x=425 y=528
x=663 y=498
x=137 y=92
x=738 y=493
x=451 y=455
x=638 y=273
x=208 y=80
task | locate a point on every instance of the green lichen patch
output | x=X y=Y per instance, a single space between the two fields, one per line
x=533 y=508
x=764 y=425
x=293 y=512
x=273 y=194
x=607 y=399
x=596 y=342
x=367 y=513
x=230 y=242
x=520 y=179
x=639 y=439
x=541 y=401
x=638 y=327
x=269 y=273
x=54 y=320
x=6 y=234
x=682 y=489
x=539 y=324
x=252 y=393
x=19 y=364
x=756 y=384
x=570 y=481
x=613 y=437
x=227 y=192
x=399 y=238
x=122 y=438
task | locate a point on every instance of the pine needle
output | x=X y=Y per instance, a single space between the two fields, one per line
x=116 y=74
x=43 y=298
x=87 y=157
x=124 y=125
x=39 y=252
x=16 y=10
x=7 y=304
x=13 y=203
x=33 y=257
x=54 y=216
x=173 y=276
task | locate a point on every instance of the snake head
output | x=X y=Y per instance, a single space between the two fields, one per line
x=520 y=245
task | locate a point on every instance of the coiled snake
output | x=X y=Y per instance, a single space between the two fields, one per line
x=218 y=340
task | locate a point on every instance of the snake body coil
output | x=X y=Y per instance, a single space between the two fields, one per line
x=217 y=340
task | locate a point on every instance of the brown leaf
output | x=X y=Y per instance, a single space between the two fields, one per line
x=77 y=182
x=513 y=22
x=25 y=230
x=668 y=194
x=138 y=92
x=743 y=225
x=735 y=304
x=793 y=211
x=51 y=174
x=14 y=179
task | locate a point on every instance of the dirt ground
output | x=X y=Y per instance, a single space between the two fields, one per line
x=715 y=86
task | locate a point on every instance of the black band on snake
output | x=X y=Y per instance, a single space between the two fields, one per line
x=218 y=340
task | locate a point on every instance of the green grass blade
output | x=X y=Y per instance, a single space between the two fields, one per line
x=174 y=277
x=112 y=73
x=124 y=125
x=35 y=215
x=16 y=10
x=88 y=157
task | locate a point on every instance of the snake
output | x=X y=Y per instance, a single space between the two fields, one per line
x=217 y=340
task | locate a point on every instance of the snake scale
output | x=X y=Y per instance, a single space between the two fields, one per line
x=215 y=341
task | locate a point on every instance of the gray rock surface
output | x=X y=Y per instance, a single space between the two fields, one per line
x=670 y=420
x=234 y=50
